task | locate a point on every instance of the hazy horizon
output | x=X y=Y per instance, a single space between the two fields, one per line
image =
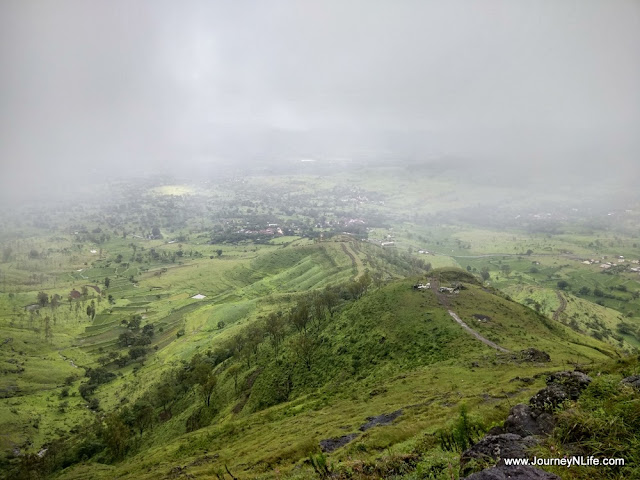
x=95 y=89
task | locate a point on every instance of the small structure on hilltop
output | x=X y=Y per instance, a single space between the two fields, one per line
x=199 y=296
x=454 y=289
x=422 y=286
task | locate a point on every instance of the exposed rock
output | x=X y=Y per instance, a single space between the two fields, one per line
x=331 y=444
x=179 y=472
x=384 y=419
x=534 y=355
x=493 y=448
x=633 y=381
x=516 y=472
x=525 y=380
x=547 y=399
x=525 y=421
x=572 y=382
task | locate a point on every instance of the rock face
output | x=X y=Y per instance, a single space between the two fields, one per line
x=494 y=448
x=633 y=380
x=517 y=472
x=521 y=431
x=525 y=421
x=561 y=386
x=549 y=398
x=572 y=382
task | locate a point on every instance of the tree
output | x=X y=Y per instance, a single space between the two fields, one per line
x=331 y=300
x=116 y=435
x=91 y=310
x=234 y=371
x=299 y=316
x=155 y=231
x=142 y=415
x=484 y=273
x=48 y=332
x=219 y=253
x=208 y=387
x=43 y=299
x=563 y=284
x=275 y=328
x=584 y=291
x=304 y=346
x=506 y=269
x=107 y=282
x=165 y=395
x=137 y=352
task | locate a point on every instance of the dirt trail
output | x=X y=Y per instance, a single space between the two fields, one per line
x=561 y=308
x=444 y=302
x=68 y=360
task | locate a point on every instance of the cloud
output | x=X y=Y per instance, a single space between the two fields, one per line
x=138 y=86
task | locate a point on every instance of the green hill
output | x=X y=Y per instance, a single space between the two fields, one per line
x=282 y=386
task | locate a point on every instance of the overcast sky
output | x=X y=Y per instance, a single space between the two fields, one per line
x=142 y=85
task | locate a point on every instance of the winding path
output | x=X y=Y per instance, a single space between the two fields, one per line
x=444 y=302
x=561 y=308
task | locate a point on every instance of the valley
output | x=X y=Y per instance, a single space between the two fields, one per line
x=267 y=326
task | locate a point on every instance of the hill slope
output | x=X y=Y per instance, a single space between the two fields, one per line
x=393 y=357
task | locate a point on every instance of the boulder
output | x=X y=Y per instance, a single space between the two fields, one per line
x=572 y=382
x=547 y=399
x=633 y=381
x=534 y=355
x=561 y=386
x=493 y=448
x=525 y=421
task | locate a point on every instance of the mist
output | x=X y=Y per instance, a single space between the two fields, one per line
x=92 y=90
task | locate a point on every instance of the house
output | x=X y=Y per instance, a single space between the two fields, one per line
x=422 y=286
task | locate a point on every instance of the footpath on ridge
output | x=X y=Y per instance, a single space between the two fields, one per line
x=442 y=298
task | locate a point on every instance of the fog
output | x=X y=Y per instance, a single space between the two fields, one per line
x=95 y=89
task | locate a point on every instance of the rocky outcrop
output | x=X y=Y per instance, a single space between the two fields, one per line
x=522 y=430
x=524 y=421
x=495 y=448
x=384 y=419
x=572 y=382
x=331 y=444
x=549 y=398
x=534 y=355
x=632 y=381
x=561 y=386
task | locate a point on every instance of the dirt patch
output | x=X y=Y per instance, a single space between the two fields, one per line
x=251 y=379
x=330 y=444
x=384 y=419
x=561 y=308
